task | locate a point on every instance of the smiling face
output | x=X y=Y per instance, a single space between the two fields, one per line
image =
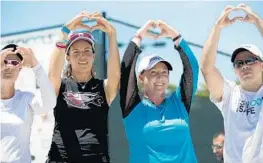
x=155 y=80
x=81 y=56
x=251 y=70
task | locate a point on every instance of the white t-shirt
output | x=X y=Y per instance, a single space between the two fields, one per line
x=16 y=119
x=242 y=111
x=16 y=116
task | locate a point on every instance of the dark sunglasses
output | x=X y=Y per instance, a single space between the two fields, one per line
x=12 y=62
x=249 y=61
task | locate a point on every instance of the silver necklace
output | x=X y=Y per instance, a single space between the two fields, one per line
x=83 y=86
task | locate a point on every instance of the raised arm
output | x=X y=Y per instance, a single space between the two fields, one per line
x=111 y=84
x=129 y=92
x=188 y=82
x=56 y=64
x=58 y=54
x=213 y=77
x=46 y=99
x=252 y=17
x=259 y=24
x=189 y=78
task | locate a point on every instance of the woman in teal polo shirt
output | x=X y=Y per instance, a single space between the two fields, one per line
x=157 y=127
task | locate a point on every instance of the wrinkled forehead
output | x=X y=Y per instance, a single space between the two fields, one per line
x=244 y=55
x=12 y=57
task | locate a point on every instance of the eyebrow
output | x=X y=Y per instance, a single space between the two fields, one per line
x=86 y=48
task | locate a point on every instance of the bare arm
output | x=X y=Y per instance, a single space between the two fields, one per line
x=259 y=25
x=111 y=84
x=252 y=17
x=113 y=69
x=213 y=77
x=58 y=55
x=56 y=65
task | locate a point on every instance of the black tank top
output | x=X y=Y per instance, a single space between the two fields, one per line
x=80 y=132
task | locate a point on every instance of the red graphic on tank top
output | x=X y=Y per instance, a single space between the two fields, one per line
x=82 y=100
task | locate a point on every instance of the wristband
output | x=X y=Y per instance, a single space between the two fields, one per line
x=61 y=44
x=176 y=38
x=65 y=30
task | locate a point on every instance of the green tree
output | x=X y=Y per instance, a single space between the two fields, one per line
x=203 y=91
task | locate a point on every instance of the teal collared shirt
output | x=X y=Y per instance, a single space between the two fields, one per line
x=161 y=134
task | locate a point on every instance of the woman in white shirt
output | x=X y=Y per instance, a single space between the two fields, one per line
x=17 y=107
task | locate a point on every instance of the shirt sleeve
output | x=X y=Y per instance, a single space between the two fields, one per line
x=188 y=82
x=129 y=92
x=45 y=99
x=228 y=88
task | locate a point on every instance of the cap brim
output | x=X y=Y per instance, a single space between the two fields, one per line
x=81 y=38
x=238 y=50
x=168 y=65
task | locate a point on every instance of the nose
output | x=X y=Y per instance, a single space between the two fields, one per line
x=159 y=76
x=244 y=67
x=9 y=67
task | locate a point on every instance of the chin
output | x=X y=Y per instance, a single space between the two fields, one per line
x=159 y=91
x=248 y=79
x=83 y=69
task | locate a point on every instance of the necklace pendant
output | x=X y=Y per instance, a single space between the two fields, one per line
x=83 y=87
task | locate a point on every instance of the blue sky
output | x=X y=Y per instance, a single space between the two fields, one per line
x=192 y=19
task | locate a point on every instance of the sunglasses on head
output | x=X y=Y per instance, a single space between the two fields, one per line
x=249 y=61
x=75 y=35
x=12 y=62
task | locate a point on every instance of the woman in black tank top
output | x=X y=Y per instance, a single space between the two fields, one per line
x=80 y=132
